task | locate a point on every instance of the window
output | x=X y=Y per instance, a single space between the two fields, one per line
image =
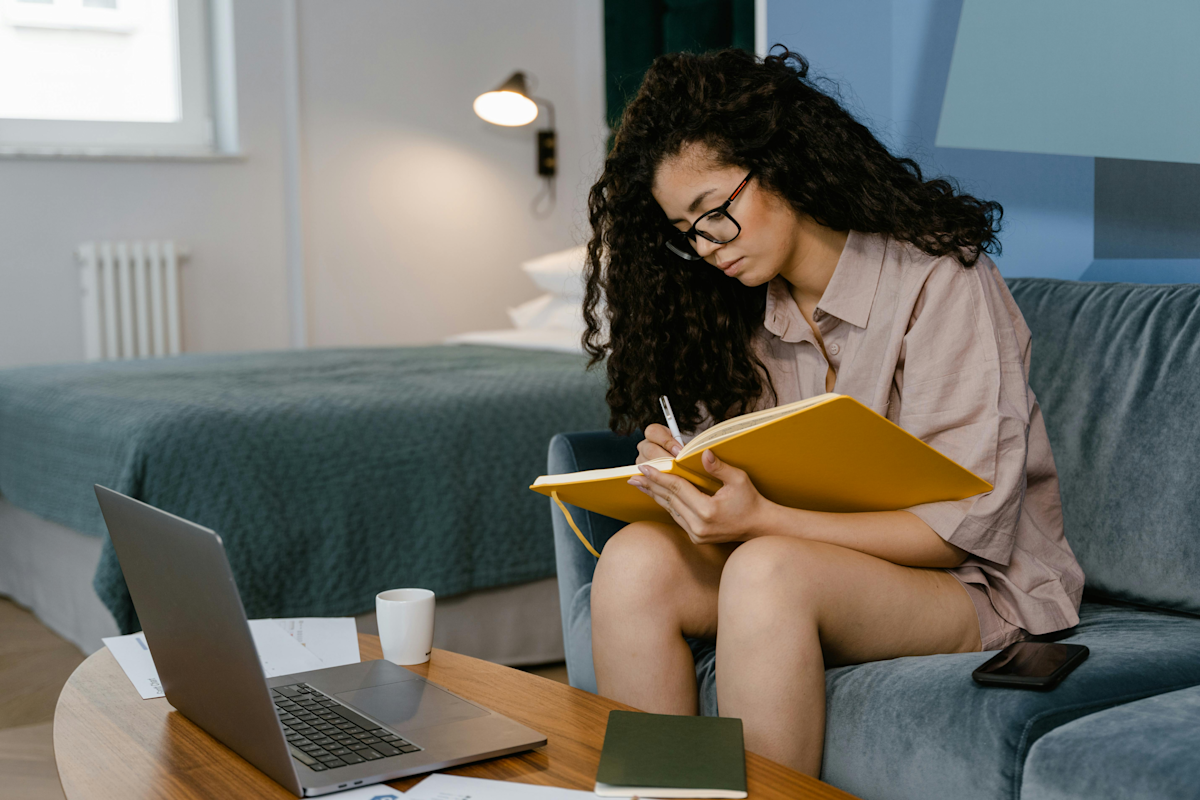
x=105 y=76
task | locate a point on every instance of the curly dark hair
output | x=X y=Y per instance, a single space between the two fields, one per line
x=686 y=332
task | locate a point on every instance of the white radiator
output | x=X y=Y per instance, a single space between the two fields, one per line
x=130 y=299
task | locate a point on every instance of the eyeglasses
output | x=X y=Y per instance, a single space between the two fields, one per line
x=717 y=226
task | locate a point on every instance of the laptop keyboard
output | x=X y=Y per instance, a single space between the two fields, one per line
x=324 y=734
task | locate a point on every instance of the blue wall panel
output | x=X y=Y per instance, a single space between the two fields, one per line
x=1076 y=77
x=895 y=57
x=1144 y=270
x=1147 y=209
x=847 y=41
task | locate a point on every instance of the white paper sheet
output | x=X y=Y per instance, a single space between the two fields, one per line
x=279 y=653
x=133 y=655
x=452 y=787
x=284 y=646
x=334 y=640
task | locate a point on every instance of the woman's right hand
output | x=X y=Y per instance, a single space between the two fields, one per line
x=659 y=443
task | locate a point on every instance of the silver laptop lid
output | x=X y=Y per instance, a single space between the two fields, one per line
x=194 y=622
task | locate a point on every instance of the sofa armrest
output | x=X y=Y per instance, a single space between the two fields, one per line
x=573 y=452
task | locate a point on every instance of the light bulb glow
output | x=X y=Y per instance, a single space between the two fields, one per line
x=506 y=108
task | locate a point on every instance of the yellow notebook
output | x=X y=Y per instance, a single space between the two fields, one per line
x=826 y=453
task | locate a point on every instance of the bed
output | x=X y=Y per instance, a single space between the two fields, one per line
x=330 y=474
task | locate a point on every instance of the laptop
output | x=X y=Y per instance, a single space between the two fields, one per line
x=313 y=732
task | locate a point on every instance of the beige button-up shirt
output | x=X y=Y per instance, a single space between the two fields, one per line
x=943 y=351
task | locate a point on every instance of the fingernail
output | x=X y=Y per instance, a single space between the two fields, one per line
x=642 y=468
x=676 y=449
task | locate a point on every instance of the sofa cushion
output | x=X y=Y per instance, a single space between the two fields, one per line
x=1148 y=750
x=920 y=727
x=1116 y=368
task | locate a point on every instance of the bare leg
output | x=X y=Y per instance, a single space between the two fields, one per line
x=652 y=588
x=789 y=607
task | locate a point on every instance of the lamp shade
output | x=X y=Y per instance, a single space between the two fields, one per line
x=509 y=104
x=1109 y=78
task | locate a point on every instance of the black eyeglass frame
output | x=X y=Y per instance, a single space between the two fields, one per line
x=691 y=233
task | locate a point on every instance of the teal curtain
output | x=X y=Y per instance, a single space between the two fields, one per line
x=638 y=31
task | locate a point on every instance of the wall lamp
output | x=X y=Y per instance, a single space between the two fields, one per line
x=511 y=105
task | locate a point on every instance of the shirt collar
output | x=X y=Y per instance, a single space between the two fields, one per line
x=851 y=290
x=783 y=317
x=849 y=295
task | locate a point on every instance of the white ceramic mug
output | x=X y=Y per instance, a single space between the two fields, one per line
x=405 y=618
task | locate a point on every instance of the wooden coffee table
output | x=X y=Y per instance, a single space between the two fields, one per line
x=111 y=744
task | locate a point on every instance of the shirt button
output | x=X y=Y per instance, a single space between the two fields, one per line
x=834 y=349
x=818 y=314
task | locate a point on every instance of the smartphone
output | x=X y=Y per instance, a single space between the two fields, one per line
x=1031 y=665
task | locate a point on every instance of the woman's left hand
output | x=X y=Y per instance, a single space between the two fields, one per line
x=733 y=514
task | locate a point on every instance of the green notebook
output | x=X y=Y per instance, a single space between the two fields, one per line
x=655 y=755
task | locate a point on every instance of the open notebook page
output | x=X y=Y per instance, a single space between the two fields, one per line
x=723 y=430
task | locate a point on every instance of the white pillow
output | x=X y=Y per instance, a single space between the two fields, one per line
x=559 y=273
x=548 y=311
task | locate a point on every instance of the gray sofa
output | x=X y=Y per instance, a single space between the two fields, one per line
x=1116 y=368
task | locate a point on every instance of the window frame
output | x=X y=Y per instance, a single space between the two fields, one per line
x=205 y=44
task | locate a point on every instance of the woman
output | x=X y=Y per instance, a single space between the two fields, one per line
x=754 y=245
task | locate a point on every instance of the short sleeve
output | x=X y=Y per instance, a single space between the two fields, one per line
x=965 y=393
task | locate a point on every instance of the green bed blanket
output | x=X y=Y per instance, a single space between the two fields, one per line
x=331 y=475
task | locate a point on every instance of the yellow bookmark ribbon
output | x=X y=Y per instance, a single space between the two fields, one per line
x=571 y=522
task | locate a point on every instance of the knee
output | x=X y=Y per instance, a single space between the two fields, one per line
x=769 y=573
x=637 y=565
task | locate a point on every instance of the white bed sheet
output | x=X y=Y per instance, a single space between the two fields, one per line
x=559 y=340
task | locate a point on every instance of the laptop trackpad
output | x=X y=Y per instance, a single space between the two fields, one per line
x=409 y=705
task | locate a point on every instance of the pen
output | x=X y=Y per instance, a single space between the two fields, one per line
x=670 y=415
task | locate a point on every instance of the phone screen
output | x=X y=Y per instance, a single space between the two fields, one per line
x=1029 y=660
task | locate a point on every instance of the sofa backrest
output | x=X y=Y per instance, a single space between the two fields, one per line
x=1116 y=369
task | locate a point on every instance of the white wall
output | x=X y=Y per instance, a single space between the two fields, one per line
x=415 y=211
x=228 y=213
